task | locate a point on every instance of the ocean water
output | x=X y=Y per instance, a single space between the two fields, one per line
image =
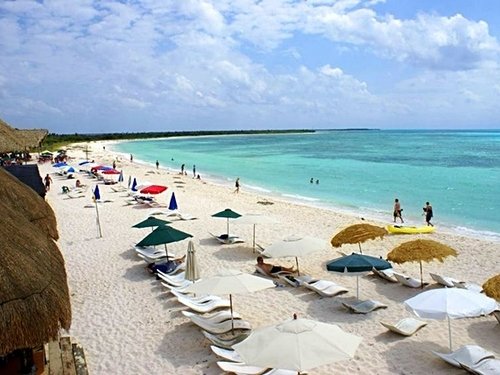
x=361 y=172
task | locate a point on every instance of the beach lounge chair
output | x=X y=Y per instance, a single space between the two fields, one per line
x=260 y=271
x=221 y=327
x=496 y=314
x=193 y=298
x=405 y=327
x=226 y=342
x=118 y=188
x=387 y=274
x=408 y=281
x=364 y=307
x=443 y=280
x=151 y=254
x=325 y=288
x=228 y=354
x=468 y=355
x=292 y=280
x=227 y=240
x=217 y=317
x=470 y=286
x=210 y=304
x=164 y=276
x=241 y=368
x=488 y=366
x=180 y=289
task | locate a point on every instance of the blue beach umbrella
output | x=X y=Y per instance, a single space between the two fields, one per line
x=71 y=170
x=120 y=177
x=97 y=194
x=84 y=162
x=134 y=185
x=357 y=264
x=173 y=203
x=60 y=164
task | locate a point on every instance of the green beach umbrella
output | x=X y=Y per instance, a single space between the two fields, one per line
x=228 y=214
x=151 y=222
x=162 y=236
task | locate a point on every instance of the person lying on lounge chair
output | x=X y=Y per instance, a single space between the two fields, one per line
x=271 y=269
x=167 y=267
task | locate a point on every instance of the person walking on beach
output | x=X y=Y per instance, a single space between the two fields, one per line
x=397 y=211
x=237 y=185
x=131 y=158
x=48 y=181
x=428 y=214
x=194 y=171
x=157 y=164
x=182 y=168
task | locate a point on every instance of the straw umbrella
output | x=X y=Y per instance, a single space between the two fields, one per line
x=420 y=251
x=492 y=287
x=34 y=293
x=357 y=234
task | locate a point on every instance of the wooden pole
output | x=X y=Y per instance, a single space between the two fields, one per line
x=98 y=221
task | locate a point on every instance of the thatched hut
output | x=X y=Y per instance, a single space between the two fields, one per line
x=34 y=293
x=12 y=139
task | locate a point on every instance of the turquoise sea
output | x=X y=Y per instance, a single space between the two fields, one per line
x=359 y=171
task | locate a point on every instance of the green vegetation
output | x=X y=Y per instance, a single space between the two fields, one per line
x=57 y=141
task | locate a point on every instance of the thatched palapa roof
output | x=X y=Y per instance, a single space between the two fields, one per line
x=357 y=233
x=12 y=139
x=492 y=287
x=34 y=296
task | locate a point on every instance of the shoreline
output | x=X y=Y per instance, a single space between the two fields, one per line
x=370 y=214
x=128 y=323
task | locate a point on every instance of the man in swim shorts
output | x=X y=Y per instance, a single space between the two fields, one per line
x=269 y=269
x=397 y=210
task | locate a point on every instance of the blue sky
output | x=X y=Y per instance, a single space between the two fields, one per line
x=159 y=65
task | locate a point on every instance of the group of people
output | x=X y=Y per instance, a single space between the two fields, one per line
x=312 y=181
x=398 y=212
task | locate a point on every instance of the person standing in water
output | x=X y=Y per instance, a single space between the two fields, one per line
x=428 y=214
x=157 y=164
x=397 y=211
x=194 y=171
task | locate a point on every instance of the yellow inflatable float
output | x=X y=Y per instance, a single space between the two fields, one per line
x=399 y=229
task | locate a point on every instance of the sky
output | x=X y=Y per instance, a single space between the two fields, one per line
x=96 y=66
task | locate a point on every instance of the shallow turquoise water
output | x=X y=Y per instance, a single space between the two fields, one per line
x=358 y=171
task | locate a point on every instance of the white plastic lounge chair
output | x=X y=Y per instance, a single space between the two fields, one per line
x=164 y=276
x=405 y=327
x=228 y=354
x=179 y=216
x=408 y=281
x=196 y=299
x=118 y=188
x=387 y=274
x=179 y=289
x=174 y=279
x=275 y=274
x=290 y=279
x=217 y=317
x=364 y=307
x=468 y=355
x=470 y=286
x=204 y=307
x=241 y=368
x=496 y=314
x=221 y=327
x=443 y=280
x=325 y=288
x=487 y=366
x=226 y=342
x=224 y=239
x=151 y=255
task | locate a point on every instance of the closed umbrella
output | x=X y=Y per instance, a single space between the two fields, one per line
x=134 y=185
x=297 y=344
x=163 y=235
x=173 y=203
x=192 y=269
x=357 y=234
x=230 y=282
x=227 y=214
x=420 y=251
x=256 y=219
x=120 y=177
x=357 y=264
x=450 y=303
x=97 y=197
x=295 y=246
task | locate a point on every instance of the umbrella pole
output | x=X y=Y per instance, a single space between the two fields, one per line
x=357 y=287
x=166 y=251
x=232 y=318
x=421 y=277
x=98 y=221
x=228 y=228
x=449 y=331
x=360 y=251
x=297 y=261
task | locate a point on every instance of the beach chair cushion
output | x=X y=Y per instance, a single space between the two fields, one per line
x=468 y=355
x=408 y=281
x=488 y=366
x=364 y=307
x=405 y=327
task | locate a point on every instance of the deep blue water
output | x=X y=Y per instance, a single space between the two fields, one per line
x=358 y=171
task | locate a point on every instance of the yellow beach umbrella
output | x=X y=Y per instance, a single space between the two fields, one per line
x=492 y=287
x=357 y=234
x=420 y=251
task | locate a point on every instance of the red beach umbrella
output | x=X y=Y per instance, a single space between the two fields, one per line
x=153 y=189
x=111 y=171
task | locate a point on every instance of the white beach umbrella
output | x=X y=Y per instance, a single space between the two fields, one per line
x=295 y=246
x=297 y=344
x=255 y=219
x=230 y=282
x=450 y=303
x=192 y=269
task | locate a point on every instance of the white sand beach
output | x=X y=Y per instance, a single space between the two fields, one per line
x=128 y=323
